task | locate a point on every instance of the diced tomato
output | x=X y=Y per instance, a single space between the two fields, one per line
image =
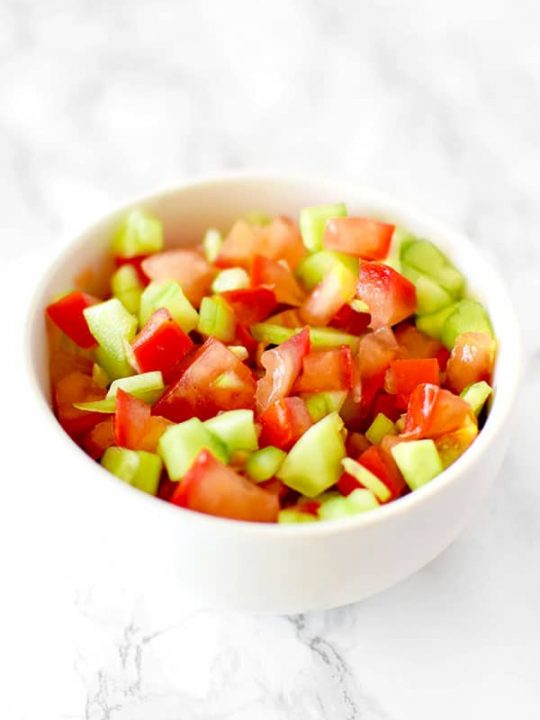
x=278 y=277
x=167 y=488
x=356 y=443
x=376 y=351
x=77 y=388
x=471 y=361
x=351 y=321
x=155 y=427
x=187 y=267
x=282 y=365
x=276 y=487
x=285 y=241
x=416 y=344
x=214 y=380
x=310 y=507
x=433 y=411
x=390 y=296
x=284 y=422
x=99 y=439
x=385 y=404
x=251 y=305
x=215 y=489
x=130 y=420
x=365 y=238
x=288 y=318
x=161 y=345
x=67 y=313
x=245 y=338
x=380 y=462
x=337 y=288
x=347 y=483
x=326 y=370
x=452 y=445
x=403 y=376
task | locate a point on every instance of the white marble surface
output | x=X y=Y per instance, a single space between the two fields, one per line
x=438 y=103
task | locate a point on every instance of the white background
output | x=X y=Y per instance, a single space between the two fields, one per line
x=438 y=103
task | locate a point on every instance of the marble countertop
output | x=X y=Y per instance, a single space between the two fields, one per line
x=437 y=103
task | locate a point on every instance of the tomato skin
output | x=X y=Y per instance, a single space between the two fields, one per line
x=403 y=376
x=390 y=296
x=351 y=321
x=346 y=484
x=161 y=345
x=433 y=411
x=376 y=350
x=215 y=489
x=67 y=314
x=385 y=404
x=282 y=365
x=284 y=422
x=362 y=237
x=187 y=267
x=471 y=361
x=77 y=387
x=326 y=370
x=130 y=420
x=197 y=392
x=271 y=273
x=416 y=344
x=251 y=305
x=356 y=443
x=380 y=462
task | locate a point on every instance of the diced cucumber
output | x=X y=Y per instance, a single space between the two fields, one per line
x=256 y=217
x=146 y=386
x=168 y=294
x=180 y=444
x=430 y=297
x=313 y=268
x=433 y=324
x=139 y=233
x=136 y=467
x=400 y=239
x=418 y=461
x=321 y=337
x=231 y=279
x=468 y=316
x=290 y=517
x=99 y=376
x=425 y=257
x=112 y=326
x=212 y=243
x=240 y=351
x=272 y=334
x=217 y=319
x=337 y=507
x=106 y=406
x=323 y=403
x=314 y=462
x=235 y=428
x=264 y=463
x=359 y=306
x=366 y=478
x=127 y=287
x=476 y=395
x=379 y=428
x=313 y=222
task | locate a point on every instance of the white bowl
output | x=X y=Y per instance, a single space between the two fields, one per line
x=237 y=565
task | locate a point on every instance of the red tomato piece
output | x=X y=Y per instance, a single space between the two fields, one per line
x=328 y=297
x=326 y=370
x=376 y=350
x=356 y=443
x=365 y=238
x=245 y=338
x=347 y=483
x=416 y=344
x=241 y=244
x=99 y=439
x=310 y=507
x=187 y=267
x=351 y=321
x=77 y=388
x=284 y=422
x=403 y=376
x=433 y=411
x=130 y=420
x=278 y=277
x=251 y=305
x=385 y=404
x=67 y=313
x=276 y=487
x=282 y=365
x=214 y=380
x=381 y=463
x=215 y=489
x=471 y=361
x=161 y=345
x=285 y=241
x=390 y=296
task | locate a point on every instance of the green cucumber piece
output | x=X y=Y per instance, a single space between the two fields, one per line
x=112 y=326
x=314 y=268
x=433 y=324
x=228 y=380
x=107 y=406
x=314 y=462
x=235 y=428
x=430 y=297
x=366 y=478
x=359 y=306
x=418 y=461
x=256 y=217
x=212 y=242
x=323 y=403
x=99 y=376
x=313 y=222
x=400 y=239
x=337 y=507
x=127 y=287
x=136 y=467
x=468 y=316
x=424 y=256
x=272 y=334
x=291 y=517
x=321 y=337
x=139 y=233
x=379 y=428
x=476 y=395
x=217 y=319
x=168 y=294
x=147 y=386
x=235 y=278
x=240 y=351
x=179 y=446
x=264 y=463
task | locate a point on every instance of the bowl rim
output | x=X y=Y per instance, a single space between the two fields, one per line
x=499 y=414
